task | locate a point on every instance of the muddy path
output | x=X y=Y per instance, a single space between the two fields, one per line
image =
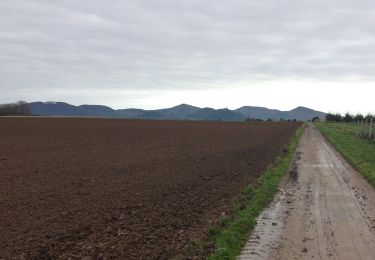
x=324 y=210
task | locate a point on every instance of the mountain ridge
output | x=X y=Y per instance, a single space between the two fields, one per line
x=179 y=112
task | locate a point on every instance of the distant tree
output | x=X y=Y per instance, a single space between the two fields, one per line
x=21 y=108
x=329 y=117
x=338 y=118
x=368 y=117
x=315 y=119
x=269 y=120
x=358 y=117
x=348 y=118
x=333 y=117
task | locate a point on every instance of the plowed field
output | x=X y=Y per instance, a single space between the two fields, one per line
x=103 y=188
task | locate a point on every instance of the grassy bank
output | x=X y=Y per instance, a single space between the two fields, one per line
x=360 y=153
x=228 y=239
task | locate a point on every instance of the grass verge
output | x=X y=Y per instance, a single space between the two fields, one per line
x=228 y=238
x=359 y=152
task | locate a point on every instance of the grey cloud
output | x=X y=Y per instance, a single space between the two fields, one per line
x=168 y=44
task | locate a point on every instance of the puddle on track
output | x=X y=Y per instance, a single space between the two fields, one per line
x=270 y=227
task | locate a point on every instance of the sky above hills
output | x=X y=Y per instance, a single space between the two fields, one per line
x=152 y=54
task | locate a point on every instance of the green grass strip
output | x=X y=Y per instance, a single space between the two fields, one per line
x=229 y=238
x=359 y=152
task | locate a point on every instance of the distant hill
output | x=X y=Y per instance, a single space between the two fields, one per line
x=180 y=112
x=129 y=113
x=211 y=114
x=299 y=113
x=56 y=109
x=259 y=113
x=304 y=114
x=97 y=110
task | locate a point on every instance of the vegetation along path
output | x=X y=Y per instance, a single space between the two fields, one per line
x=324 y=209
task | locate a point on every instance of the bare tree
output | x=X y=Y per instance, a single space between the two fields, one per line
x=20 y=108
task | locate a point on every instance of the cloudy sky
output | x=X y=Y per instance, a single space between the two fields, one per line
x=153 y=54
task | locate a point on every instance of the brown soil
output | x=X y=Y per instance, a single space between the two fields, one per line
x=103 y=188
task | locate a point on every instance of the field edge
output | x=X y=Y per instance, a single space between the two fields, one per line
x=345 y=145
x=226 y=240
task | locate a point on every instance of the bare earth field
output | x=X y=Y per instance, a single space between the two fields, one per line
x=103 y=188
x=327 y=212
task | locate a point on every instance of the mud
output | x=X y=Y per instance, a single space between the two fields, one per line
x=330 y=210
x=265 y=240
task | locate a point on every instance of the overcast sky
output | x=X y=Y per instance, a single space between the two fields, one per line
x=154 y=54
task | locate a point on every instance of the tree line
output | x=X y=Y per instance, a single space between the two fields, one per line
x=348 y=118
x=20 y=108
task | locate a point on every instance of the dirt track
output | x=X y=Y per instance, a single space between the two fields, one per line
x=328 y=212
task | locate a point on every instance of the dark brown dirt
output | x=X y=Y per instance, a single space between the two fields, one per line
x=103 y=188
